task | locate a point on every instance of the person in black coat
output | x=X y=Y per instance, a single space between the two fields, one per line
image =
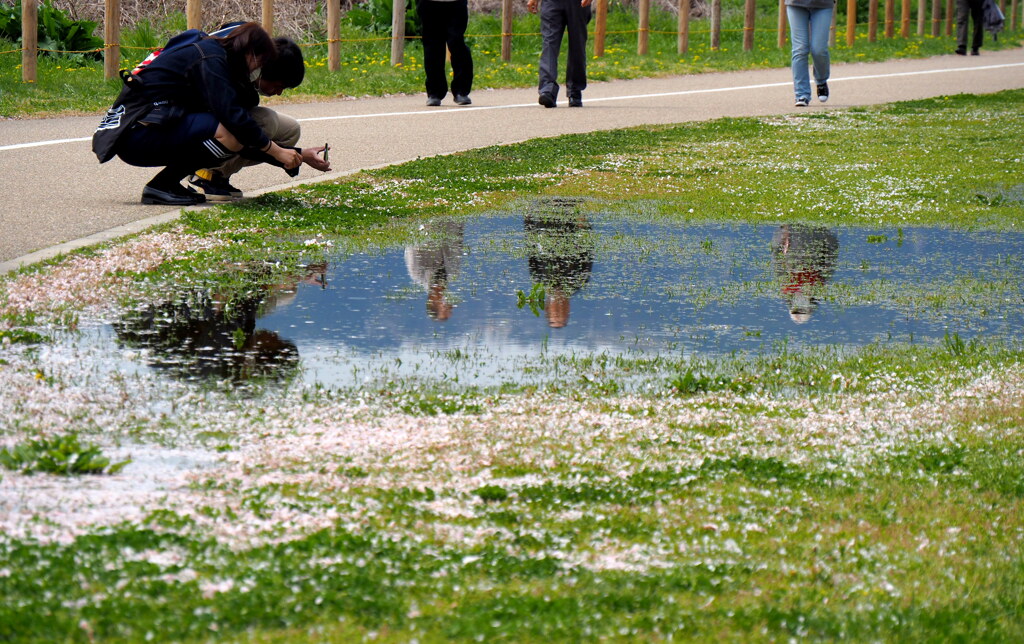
x=181 y=110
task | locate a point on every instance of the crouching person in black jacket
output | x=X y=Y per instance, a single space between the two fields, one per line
x=181 y=110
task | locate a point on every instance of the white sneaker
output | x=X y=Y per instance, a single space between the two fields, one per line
x=801 y=102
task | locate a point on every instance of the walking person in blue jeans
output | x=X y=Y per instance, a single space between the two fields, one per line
x=809 y=24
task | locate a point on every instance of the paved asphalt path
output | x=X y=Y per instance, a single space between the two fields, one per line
x=56 y=196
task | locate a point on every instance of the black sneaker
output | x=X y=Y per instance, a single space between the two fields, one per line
x=547 y=100
x=975 y=52
x=214 y=186
x=823 y=92
x=575 y=101
x=462 y=99
x=433 y=101
x=176 y=195
x=961 y=51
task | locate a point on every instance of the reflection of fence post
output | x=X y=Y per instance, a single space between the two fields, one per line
x=397 y=32
x=111 y=38
x=333 y=35
x=194 y=14
x=268 y=16
x=506 y=30
x=683 y=39
x=872 y=20
x=890 y=13
x=600 y=27
x=782 y=23
x=644 y=28
x=716 y=24
x=29 y=39
x=748 y=25
x=905 y=20
x=851 y=22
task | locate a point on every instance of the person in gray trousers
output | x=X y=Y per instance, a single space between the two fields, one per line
x=557 y=17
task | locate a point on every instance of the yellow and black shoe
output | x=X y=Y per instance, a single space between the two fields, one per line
x=214 y=186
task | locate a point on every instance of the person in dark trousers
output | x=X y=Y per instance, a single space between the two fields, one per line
x=556 y=18
x=286 y=71
x=443 y=23
x=182 y=111
x=972 y=9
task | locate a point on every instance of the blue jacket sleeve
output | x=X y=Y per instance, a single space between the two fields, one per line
x=212 y=76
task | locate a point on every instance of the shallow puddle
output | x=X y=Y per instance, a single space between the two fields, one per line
x=491 y=299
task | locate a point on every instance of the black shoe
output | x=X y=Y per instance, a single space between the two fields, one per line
x=171 y=197
x=433 y=101
x=547 y=100
x=575 y=101
x=462 y=99
x=823 y=92
x=961 y=51
x=974 y=52
x=214 y=186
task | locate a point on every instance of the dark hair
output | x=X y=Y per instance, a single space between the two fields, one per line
x=289 y=67
x=249 y=38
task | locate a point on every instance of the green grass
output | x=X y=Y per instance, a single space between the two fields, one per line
x=832 y=494
x=71 y=86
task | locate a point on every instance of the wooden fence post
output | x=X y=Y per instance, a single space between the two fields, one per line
x=716 y=24
x=936 y=17
x=333 y=35
x=29 y=39
x=644 y=29
x=749 y=12
x=890 y=15
x=268 y=16
x=905 y=20
x=506 y=30
x=600 y=27
x=683 y=39
x=782 y=24
x=832 y=29
x=397 y=32
x=111 y=38
x=872 y=20
x=950 y=17
x=851 y=22
x=194 y=14
x=1013 y=15
x=922 y=16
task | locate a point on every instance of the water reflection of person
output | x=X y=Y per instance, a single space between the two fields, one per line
x=433 y=263
x=804 y=257
x=214 y=335
x=560 y=254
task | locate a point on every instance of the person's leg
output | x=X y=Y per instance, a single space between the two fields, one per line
x=977 y=18
x=963 y=12
x=820 y=21
x=462 y=58
x=576 y=59
x=799 y=24
x=552 y=26
x=433 y=26
x=281 y=128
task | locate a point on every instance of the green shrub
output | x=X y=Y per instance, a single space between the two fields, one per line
x=60 y=455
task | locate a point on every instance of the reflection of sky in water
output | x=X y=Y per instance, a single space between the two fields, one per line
x=652 y=289
x=640 y=289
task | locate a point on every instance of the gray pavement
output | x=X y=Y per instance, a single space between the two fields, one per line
x=56 y=197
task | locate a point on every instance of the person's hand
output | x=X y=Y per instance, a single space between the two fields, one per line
x=311 y=157
x=531 y=6
x=288 y=157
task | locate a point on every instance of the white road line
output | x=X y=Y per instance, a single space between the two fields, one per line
x=632 y=97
